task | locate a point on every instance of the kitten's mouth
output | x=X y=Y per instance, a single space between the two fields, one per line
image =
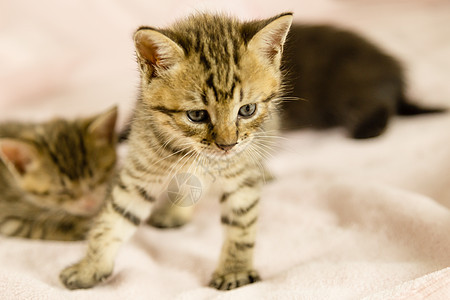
x=215 y=154
x=226 y=154
x=220 y=153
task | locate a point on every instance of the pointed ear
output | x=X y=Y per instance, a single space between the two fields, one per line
x=17 y=155
x=102 y=127
x=269 y=40
x=155 y=51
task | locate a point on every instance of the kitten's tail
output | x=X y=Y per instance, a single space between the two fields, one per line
x=406 y=108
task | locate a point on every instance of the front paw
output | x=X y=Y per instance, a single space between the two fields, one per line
x=170 y=217
x=84 y=275
x=166 y=222
x=233 y=280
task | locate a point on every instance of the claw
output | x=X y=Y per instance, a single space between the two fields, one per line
x=234 y=280
x=83 y=276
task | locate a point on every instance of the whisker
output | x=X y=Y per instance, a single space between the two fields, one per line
x=175 y=153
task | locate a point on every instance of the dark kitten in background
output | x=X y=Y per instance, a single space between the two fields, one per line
x=54 y=175
x=342 y=80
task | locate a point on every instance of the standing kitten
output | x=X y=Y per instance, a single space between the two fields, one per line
x=209 y=89
x=53 y=175
x=344 y=80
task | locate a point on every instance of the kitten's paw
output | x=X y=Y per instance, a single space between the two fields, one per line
x=170 y=217
x=234 y=280
x=84 y=275
x=166 y=221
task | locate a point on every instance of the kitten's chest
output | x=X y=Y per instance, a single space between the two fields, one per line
x=209 y=181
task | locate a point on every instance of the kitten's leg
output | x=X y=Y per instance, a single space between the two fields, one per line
x=368 y=123
x=127 y=205
x=177 y=205
x=239 y=215
x=170 y=215
x=68 y=229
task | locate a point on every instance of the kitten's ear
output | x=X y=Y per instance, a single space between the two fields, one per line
x=18 y=156
x=155 y=51
x=269 y=40
x=102 y=127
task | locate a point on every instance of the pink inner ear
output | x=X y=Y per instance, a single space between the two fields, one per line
x=17 y=155
x=272 y=51
x=275 y=42
x=147 y=50
x=156 y=50
x=150 y=52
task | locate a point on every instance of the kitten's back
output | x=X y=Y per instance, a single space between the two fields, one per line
x=342 y=79
x=327 y=66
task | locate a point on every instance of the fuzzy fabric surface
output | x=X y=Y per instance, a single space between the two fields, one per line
x=343 y=219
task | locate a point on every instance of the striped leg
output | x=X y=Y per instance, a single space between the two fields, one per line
x=123 y=212
x=239 y=216
x=68 y=229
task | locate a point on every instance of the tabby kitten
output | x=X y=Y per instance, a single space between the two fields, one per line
x=209 y=91
x=53 y=175
x=344 y=80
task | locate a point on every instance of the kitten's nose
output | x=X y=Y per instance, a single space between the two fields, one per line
x=226 y=147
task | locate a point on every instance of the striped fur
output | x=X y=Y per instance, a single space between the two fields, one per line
x=53 y=175
x=210 y=86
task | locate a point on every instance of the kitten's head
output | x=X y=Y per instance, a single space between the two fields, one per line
x=64 y=165
x=210 y=83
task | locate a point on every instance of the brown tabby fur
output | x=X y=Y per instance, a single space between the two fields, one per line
x=53 y=175
x=210 y=85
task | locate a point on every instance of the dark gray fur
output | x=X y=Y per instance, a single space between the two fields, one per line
x=342 y=79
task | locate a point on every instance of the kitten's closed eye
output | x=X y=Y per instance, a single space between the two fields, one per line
x=66 y=192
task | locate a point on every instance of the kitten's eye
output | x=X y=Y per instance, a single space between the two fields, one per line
x=197 y=116
x=248 y=110
x=67 y=193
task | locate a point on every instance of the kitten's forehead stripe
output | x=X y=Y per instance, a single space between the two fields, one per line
x=216 y=42
x=210 y=85
x=204 y=99
x=204 y=61
x=59 y=142
x=86 y=166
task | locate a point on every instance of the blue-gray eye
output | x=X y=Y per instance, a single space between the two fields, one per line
x=197 y=116
x=247 y=110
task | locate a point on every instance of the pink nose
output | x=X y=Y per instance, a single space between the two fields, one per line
x=226 y=147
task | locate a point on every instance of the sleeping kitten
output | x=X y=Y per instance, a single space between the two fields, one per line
x=342 y=80
x=53 y=175
x=209 y=92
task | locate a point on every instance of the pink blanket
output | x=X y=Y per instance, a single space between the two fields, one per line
x=344 y=219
